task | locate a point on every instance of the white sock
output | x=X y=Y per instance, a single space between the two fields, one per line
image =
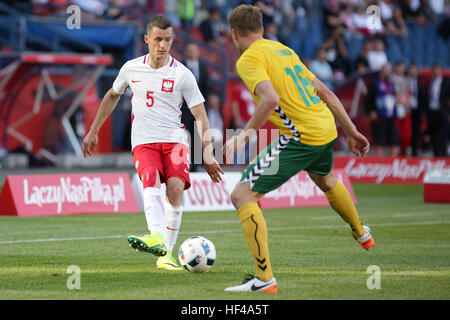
x=154 y=210
x=172 y=222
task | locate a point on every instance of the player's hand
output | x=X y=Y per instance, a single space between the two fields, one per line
x=358 y=144
x=212 y=167
x=89 y=143
x=232 y=146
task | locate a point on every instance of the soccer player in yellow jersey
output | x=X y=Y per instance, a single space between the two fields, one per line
x=304 y=110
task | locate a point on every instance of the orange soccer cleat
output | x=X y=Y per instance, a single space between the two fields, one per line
x=366 y=240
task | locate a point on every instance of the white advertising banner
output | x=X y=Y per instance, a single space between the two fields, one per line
x=203 y=195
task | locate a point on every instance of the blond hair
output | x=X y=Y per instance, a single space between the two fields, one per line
x=246 y=19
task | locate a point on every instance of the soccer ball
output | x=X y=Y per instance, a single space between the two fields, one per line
x=197 y=254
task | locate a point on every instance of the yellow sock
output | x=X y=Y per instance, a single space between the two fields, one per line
x=341 y=201
x=255 y=232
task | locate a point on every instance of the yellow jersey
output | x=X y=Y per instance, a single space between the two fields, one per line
x=301 y=114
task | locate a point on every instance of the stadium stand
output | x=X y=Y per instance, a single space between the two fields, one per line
x=415 y=32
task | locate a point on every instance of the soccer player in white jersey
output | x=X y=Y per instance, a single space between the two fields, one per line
x=159 y=84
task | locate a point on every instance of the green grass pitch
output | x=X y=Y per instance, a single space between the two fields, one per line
x=312 y=252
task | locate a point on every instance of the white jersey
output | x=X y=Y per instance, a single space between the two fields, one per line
x=157 y=96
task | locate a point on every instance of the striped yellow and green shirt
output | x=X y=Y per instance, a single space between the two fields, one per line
x=301 y=113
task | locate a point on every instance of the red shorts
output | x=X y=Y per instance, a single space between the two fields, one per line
x=170 y=159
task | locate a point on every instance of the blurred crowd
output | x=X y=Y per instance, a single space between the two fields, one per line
x=408 y=115
x=336 y=39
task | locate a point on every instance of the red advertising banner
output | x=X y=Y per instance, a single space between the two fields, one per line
x=301 y=191
x=65 y=194
x=408 y=170
x=436 y=186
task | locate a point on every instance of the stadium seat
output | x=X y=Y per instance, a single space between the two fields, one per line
x=392 y=48
x=430 y=44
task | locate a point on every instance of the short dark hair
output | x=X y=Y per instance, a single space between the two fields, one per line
x=245 y=19
x=158 y=21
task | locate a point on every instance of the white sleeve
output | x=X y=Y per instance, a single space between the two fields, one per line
x=191 y=92
x=121 y=82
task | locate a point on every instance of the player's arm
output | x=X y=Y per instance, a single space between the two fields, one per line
x=107 y=106
x=209 y=162
x=267 y=102
x=357 y=143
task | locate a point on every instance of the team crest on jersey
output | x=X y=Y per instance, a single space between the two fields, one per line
x=167 y=85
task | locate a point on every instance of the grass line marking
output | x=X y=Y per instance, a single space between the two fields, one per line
x=392 y=224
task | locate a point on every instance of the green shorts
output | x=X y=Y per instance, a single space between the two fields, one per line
x=283 y=159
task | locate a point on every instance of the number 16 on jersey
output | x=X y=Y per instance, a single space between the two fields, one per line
x=302 y=85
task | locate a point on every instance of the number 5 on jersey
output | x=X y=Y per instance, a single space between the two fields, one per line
x=151 y=101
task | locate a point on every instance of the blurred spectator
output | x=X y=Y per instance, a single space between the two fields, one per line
x=271 y=32
x=361 y=62
x=332 y=17
x=438 y=105
x=380 y=105
x=210 y=27
x=290 y=25
x=396 y=25
x=197 y=65
x=421 y=19
x=444 y=28
x=186 y=13
x=47 y=7
x=215 y=120
x=347 y=16
x=114 y=11
x=96 y=8
x=416 y=112
x=438 y=7
x=300 y=13
x=386 y=9
x=426 y=11
x=359 y=19
x=322 y=69
x=337 y=52
x=377 y=57
x=397 y=37
x=267 y=10
x=403 y=120
x=409 y=9
x=242 y=106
